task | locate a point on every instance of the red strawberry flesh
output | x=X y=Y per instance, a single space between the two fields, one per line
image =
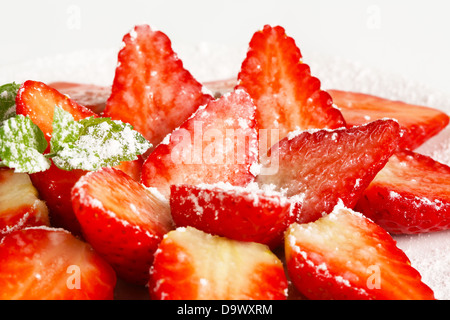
x=347 y=256
x=323 y=166
x=287 y=97
x=245 y=214
x=152 y=90
x=410 y=195
x=418 y=123
x=122 y=220
x=219 y=143
x=193 y=265
x=38 y=101
x=91 y=96
x=41 y=263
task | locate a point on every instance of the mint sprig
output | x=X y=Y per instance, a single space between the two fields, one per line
x=88 y=144
x=8 y=93
x=22 y=144
x=93 y=143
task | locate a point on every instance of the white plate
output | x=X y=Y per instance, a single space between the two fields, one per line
x=429 y=253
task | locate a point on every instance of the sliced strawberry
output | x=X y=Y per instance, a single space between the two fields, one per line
x=122 y=220
x=411 y=194
x=219 y=143
x=245 y=214
x=132 y=168
x=193 y=265
x=19 y=203
x=152 y=91
x=91 y=96
x=54 y=186
x=418 y=123
x=318 y=168
x=41 y=263
x=38 y=100
x=287 y=97
x=347 y=256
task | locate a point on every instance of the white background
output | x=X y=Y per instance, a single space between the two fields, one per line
x=408 y=38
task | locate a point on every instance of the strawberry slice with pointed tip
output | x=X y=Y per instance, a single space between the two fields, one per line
x=418 y=123
x=152 y=90
x=410 y=195
x=42 y=263
x=38 y=101
x=344 y=255
x=122 y=220
x=193 y=265
x=286 y=95
x=245 y=214
x=89 y=95
x=219 y=143
x=320 y=167
x=19 y=203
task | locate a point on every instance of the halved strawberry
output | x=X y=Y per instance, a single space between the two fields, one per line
x=287 y=97
x=245 y=214
x=132 y=168
x=418 y=123
x=38 y=100
x=91 y=96
x=347 y=256
x=219 y=143
x=411 y=194
x=152 y=91
x=19 y=203
x=41 y=263
x=194 y=265
x=54 y=186
x=122 y=220
x=320 y=167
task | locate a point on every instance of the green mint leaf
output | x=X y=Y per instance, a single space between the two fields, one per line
x=98 y=143
x=65 y=130
x=22 y=144
x=8 y=93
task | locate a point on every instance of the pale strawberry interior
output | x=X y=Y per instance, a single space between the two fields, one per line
x=345 y=240
x=224 y=268
x=17 y=191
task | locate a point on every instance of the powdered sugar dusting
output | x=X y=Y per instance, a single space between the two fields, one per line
x=429 y=255
x=253 y=190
